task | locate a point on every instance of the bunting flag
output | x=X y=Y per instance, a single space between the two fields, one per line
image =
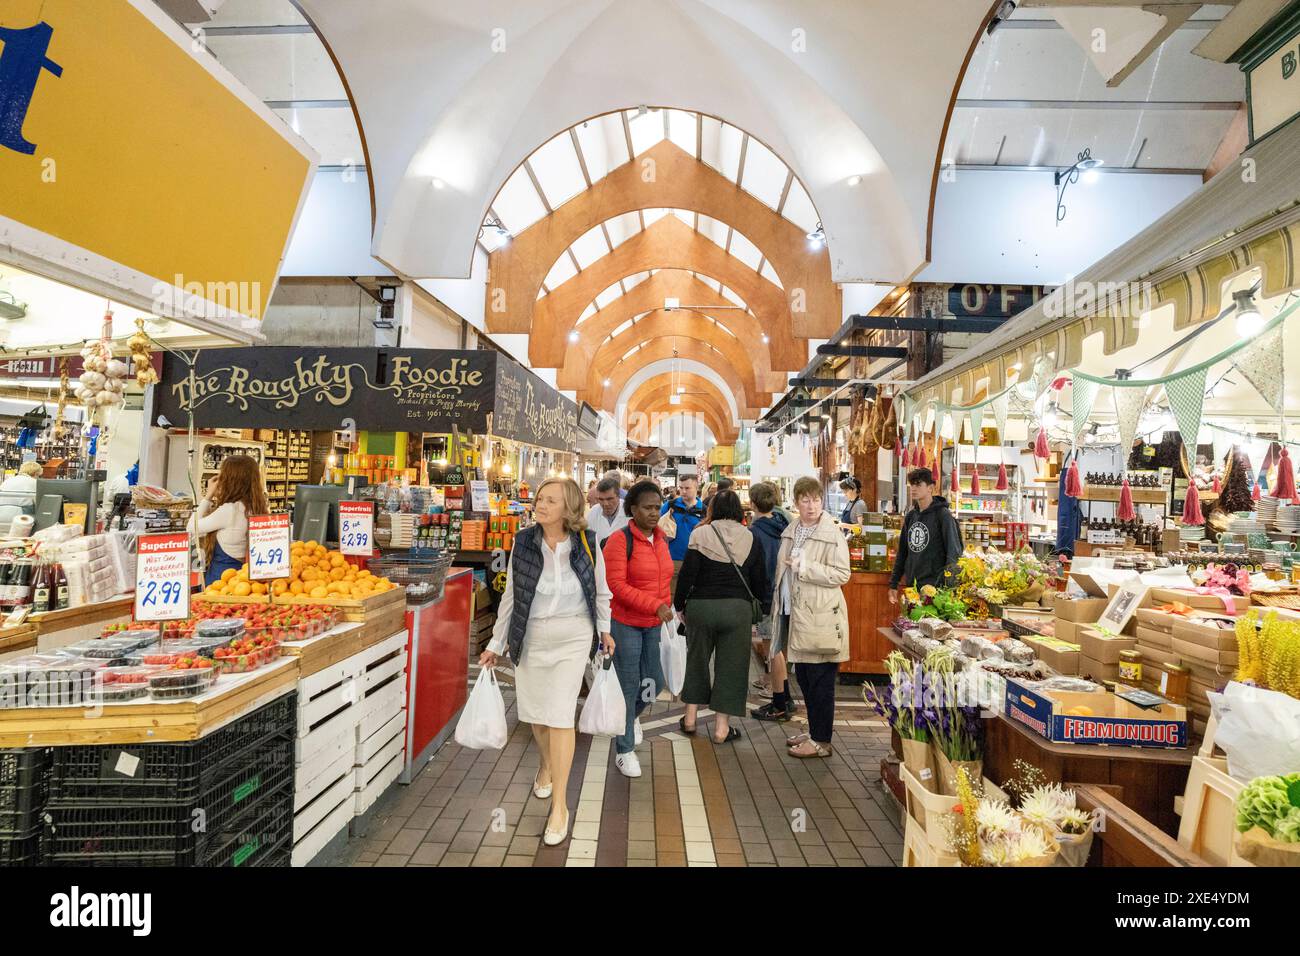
x=1261 y=364
x=976 y=425
x=1083 y=394
x=1000 y=406
x=1128 y=409
x=1187 y=399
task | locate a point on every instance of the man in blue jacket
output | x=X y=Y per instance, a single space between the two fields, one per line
x=767 y=527
x=687 y=512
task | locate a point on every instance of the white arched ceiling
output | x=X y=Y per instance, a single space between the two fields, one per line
x=464 y=93
x=682 y=431
x=665 y=366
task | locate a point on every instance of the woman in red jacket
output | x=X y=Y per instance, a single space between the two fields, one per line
x=638 y=569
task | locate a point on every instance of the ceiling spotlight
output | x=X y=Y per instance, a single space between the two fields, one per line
x=1051 y=417
x=674 y=399
x=670 y=304
x=1249 y=320
x=607 y=383
x=681 y=389
x=817 y=238
x=573 y=336
x=493 y=224
x=854 y=180
x=765 y=338
x=438 y=183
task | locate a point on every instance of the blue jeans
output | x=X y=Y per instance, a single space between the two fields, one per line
x=640 y=674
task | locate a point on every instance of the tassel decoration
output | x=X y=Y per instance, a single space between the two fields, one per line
x=1126 y=511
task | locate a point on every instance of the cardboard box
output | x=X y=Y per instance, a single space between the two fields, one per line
x=1107 y=719
x=1156 y=619
x=1186 y=651
x=1065 y=630
x=1209 y=602
x=1080 y=610
x=1103 y=648
x=1206 y=633
x=1061 y=656
x=1155 y=655
x=1153 y=638
x=1098 y=671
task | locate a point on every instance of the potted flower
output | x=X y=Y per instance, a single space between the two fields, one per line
x=901 y=704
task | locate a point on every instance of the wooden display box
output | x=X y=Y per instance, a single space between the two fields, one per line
x=1141 y=496
x=1060 y=655
x=1232 y=604
x=1204 y=633
x=354 y=609
x=1080 y=610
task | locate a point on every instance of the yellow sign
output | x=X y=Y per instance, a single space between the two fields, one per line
x=122 y=138
x=722 y=455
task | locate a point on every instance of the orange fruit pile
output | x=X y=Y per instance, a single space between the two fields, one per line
x=316 y=572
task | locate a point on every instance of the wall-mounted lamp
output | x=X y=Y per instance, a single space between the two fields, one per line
x=1249 y=319
x=1085 y=165
x=817 y=238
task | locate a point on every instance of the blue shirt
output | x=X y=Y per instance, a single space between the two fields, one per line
x=687 y=521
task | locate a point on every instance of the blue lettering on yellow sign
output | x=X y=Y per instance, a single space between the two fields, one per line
x=21 y=62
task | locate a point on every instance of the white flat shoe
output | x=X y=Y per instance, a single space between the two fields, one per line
x=542 y=793
x=638 y=735
x=555 y=838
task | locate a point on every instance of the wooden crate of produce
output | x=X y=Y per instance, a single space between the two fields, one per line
x=354 y=609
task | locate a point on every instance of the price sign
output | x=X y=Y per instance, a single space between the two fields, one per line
x=478 y=492
x=268 y=547
x=162 y=577
x=356 y=527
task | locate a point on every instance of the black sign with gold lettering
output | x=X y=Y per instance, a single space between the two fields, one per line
x=418 y=390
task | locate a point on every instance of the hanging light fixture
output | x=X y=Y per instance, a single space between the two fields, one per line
x=1085 y=165
x=1249 y=319
x=817 y=238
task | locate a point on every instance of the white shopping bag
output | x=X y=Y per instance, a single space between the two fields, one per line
x=482 y=723
x=672 y=658
x=605 y=712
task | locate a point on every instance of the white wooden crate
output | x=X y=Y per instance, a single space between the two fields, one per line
x=381 y=781
x=320 y=773
x=312 y=841
x=379 y=710
x=381 y=739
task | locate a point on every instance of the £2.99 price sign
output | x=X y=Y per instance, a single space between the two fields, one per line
x=268 y=547
x=357 y=527
x=162 y=577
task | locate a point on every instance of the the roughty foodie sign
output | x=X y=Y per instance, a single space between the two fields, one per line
x=419 y=390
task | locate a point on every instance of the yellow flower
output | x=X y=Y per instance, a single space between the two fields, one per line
x=929 y=591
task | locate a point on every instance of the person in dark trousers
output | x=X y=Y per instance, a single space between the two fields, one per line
x=724 y=566
x=767 y=527
x=931 y=541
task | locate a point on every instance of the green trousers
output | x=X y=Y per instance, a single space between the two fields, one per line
x=718 y=629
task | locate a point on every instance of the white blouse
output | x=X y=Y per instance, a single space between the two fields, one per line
x=229 y=521
x=559 y=594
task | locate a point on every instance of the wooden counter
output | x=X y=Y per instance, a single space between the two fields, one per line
x=19 y=638
x=870 y=613
x=56 y=629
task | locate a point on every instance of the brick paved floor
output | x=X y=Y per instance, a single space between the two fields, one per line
x=696 y=804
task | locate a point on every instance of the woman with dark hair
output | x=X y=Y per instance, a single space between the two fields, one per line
x=639 y=569
x=724 y=572
x=855 y=509
x=221 y=520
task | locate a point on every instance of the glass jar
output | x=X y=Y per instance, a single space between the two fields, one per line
x=1174 y=683
x=1130 y=668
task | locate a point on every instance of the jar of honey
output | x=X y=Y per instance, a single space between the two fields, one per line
x=1130 y=668
x=1174 y=684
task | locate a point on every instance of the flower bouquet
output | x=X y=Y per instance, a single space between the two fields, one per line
x=985 y=831
x=902 y=705
x=1268 y=821
x=956 y=730
x=1269 y=654
x=930 y=601
x=1222 y=579
x=996 y=578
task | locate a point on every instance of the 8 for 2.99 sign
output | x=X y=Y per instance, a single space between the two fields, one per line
x=357 y=528
x=162 y=577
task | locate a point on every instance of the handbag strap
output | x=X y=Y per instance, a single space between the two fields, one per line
x=739 y=573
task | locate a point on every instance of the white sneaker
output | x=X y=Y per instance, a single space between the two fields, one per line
x=638 y=735
x=628 y=765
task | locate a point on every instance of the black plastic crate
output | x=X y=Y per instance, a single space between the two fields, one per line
x=24 y=787
x=20 y=848
x=146 y=774
x=265 y=841
x=175 y=834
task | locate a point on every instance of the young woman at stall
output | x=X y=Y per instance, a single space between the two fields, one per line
x=722 y=575
x=810 y=616
x=639 y=569
x=221 y=519
x=855 y=508
x=554 y=614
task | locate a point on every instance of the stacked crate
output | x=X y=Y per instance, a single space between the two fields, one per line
x=24 y=786
x=225 y=800
x=329 y=709
x=380 y=752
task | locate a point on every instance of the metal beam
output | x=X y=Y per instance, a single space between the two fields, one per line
x=1103 y=170
x=802 y=382
x=308 y=104
x=256 y=31
x=927 y=324
x=827 y=402
x=1164 y=105
x=863 y=351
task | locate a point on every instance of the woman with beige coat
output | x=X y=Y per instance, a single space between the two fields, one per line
x=810 y=618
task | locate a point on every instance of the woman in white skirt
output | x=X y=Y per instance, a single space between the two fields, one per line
x=553 y=616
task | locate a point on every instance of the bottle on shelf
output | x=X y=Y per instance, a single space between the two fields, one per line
x=60 y=587
x=42 y=588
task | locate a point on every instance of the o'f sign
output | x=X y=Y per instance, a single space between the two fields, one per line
x=21 y=63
